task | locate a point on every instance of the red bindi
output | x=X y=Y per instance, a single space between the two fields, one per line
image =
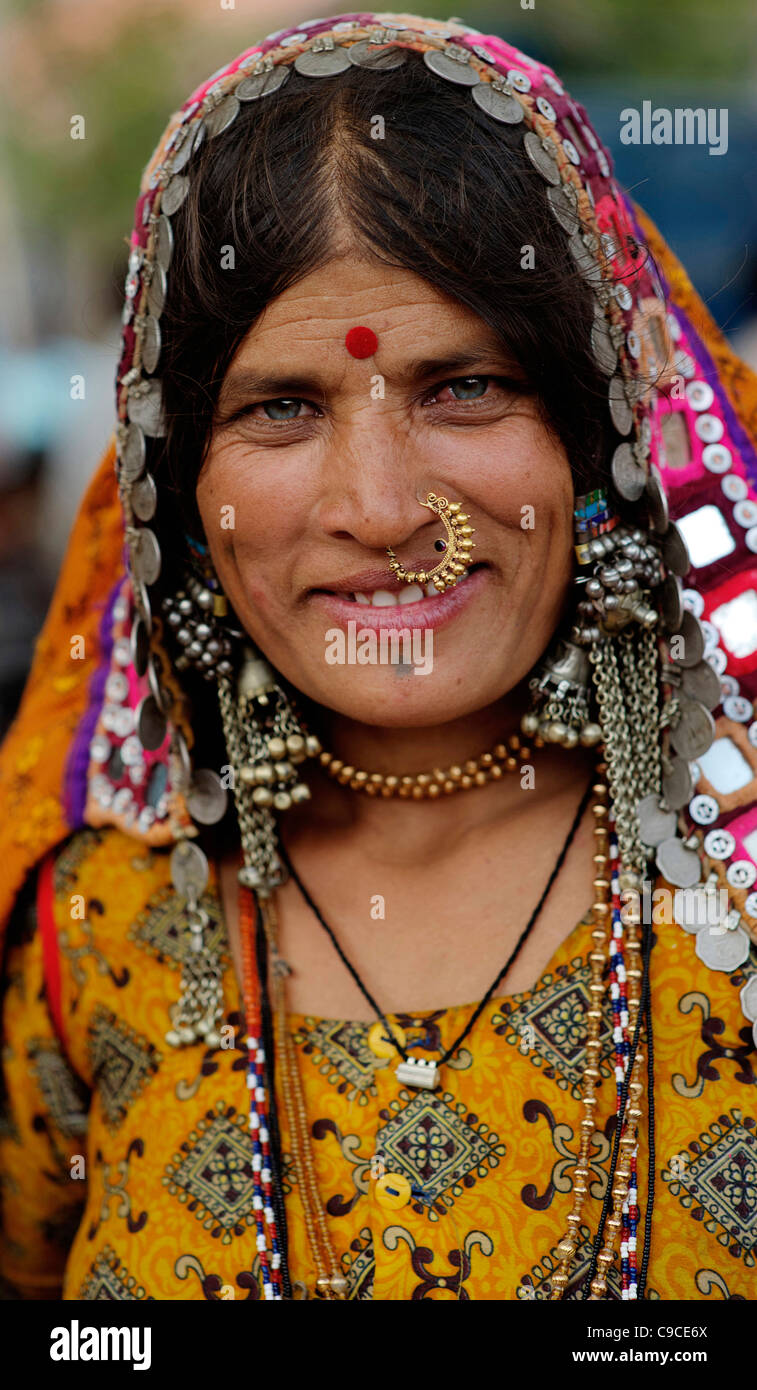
x=361 y=342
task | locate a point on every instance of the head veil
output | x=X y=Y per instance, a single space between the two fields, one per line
x=101 y=677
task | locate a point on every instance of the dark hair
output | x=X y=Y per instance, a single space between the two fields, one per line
x=447 y=193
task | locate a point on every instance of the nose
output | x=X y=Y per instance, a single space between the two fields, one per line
x=375 y=480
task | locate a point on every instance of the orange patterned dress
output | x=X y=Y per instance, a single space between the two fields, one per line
x=126 y=1164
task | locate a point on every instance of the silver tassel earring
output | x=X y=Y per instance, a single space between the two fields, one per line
x=266 y=742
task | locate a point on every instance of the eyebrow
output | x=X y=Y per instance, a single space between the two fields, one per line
x=240 y=385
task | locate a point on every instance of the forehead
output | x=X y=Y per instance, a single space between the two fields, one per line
x=354 y=289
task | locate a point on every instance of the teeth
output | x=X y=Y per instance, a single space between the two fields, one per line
x=411 y=594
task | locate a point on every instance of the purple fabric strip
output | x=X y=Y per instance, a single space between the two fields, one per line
x=709 y=371
x=75 y=776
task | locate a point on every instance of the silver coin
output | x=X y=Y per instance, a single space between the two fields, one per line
x=207 y=797
x=174 y=194
x=142 y=601
x=541 y=160
x=587 y=263
x=163 y=241
x=670 y=603
x=677 y=786
x=373 y=55
x=145 y=407
x=723 y=950
x=140 y=645
x=146 y=561
x=144 y=497
x=629 y=479
x=620 y=411
x=693 y=908
x=325 y=62
x=679 y=865
x=156 y=293
x=451 y=69
x=151 y=341
x=497 y=104
x=563 y=210
x=262 y=84
x=675 y=551
x=189 y=870
x=748 y=999
x=692 y=735
x=182 y=753
x=701 y=683
x=190 y=146
x=222 y=116
x=133 y=453
x=605 y=354
x=657 y=502
x=690 y=629
x=151 y=724
x=160 y=694
x=655 y=824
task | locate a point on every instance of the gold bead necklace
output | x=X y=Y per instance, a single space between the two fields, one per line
x=421 y=786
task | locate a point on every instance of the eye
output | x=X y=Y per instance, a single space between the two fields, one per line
x=469 y=388
x=286 y=408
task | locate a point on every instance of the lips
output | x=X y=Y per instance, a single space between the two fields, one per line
x=380 y=608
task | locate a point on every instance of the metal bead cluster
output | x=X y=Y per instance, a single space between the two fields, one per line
x=275 y=783
x=629 y=564
x=192 y=617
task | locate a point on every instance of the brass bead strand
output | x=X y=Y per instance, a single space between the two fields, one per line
x=422 y=786
x=591 y=1076
x=330 y=1282
x=629 y=1137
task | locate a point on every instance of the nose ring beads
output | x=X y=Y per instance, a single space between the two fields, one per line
x=457 y=547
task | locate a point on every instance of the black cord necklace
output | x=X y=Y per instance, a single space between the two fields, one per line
x=426 y=1072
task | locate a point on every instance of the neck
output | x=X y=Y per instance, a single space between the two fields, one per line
x=405 y=831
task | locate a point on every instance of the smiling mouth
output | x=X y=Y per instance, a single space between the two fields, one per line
x=411 y=594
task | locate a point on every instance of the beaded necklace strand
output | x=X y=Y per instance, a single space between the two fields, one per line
x=617 y=943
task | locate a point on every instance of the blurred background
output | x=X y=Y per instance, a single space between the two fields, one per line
x=66 y=204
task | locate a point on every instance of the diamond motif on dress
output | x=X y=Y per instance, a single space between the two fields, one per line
x=122 y=1063
x=715 y=1180
x=108 y=1278
x=341 y=1053
x=439 y=1145
x=160 y=926
x=212 y=1174
x=549 y=1025
x=65 y=1096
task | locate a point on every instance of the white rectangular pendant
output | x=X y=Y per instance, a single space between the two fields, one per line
x=418 y=1071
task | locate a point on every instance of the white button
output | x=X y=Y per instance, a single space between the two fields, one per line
x=699 y=395
x=719 y=844
x=734 y=487
x=737 y=707
x=709 y=428
x=693 y=602
x=717 y=458
x=547 y=110
x=745 y=513
x=519 y=80
x=704 y=810
x=571 y=152
x=741 y=873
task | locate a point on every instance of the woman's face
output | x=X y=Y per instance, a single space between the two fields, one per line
x=325 y=458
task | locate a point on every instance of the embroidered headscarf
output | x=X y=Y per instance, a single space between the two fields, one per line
x=104 y=732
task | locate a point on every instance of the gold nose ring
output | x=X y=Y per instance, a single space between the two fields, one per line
x=457 y=547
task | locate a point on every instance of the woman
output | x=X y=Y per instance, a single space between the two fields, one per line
x=382 y=288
